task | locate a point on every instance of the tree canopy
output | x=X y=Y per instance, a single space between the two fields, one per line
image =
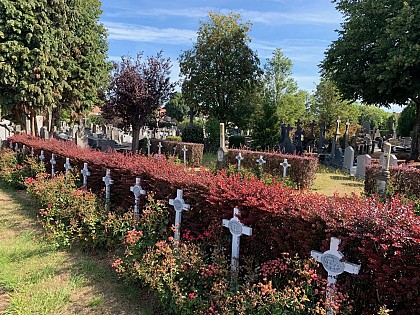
x=176 y=107
x=52 y=57
x=376 y=58
x=221 y=71
x=137 y=89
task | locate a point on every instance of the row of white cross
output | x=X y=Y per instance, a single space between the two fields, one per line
x=184 y=149
x=261 y=161
x=331 y=259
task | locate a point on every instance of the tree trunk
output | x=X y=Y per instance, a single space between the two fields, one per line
x=136 y=136
x=416 y=133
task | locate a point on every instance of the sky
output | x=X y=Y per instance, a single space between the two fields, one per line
x=303 y=29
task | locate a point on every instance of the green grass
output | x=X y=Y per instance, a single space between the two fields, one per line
x=36 y=278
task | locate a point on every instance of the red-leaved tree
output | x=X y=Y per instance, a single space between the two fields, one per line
x=137 y=89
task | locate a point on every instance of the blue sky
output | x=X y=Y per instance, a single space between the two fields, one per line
x=303 y=29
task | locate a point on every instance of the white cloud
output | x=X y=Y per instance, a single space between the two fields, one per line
x=141 y=33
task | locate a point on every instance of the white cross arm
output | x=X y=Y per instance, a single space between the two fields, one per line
x=225 y=223
x=351 y=268
x=137 y=190
x=316 y=255
x=246 y=230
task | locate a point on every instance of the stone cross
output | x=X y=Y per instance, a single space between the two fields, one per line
x=239 y=157
x=148 y=146
x=11 y=145
x=184 y=149
x=23 y=150
x=174 y=149
x=387 y=148
x=261 y=161
x=137 y=191
x=331 y=261
x=67 y=166
x=179 y=206
x=285 y=165
x=236 y=228
x=337 y=132
x=222 y=135
x=42 y=156
x=53 y=162
x=108 y=182
x=346 y=135
x=85 y=172
x=160 y=148
x=17 y=150
x=32 y=152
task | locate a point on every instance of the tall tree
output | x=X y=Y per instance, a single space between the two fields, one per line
x=137 y=89
x=177 y=107
x=265 y=124
x=282 y=90
x=376 y=116
x=407 y=121
x=52 y=55
x=221 y=71
x=376 y=57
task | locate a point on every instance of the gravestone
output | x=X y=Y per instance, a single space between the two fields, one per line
x=383 y=159
x=332 y=262
x=237 y=229
x=42 y=156
x=346 y=135
x=366 y=127
x=222 y=151
x=148 y=146
x=285 y=165
x=179 y=205
x=85 y=172
x=261 y=161
x=298 y=138
x=39 y=123
x=362 y=161
x=160 y=148
x=348 y=163
x=137 y=191
x=287 y=146
x=239 y=158
x=108 y=182
x=337 y=160
x=184 y=150
x=67 y=166
x=53 y=162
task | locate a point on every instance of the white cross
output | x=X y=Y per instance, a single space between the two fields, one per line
x=285 y=166
x=17 y=149
x=174 y=149
x=32 y=152
x=23 y=150
x=160 y=148
x=239 y=158
x=331 y=261
x=108 y=182
x=42 y=156
x=236 y=228
x=137 y=191
x=85 y=172
x=53 y=162
x=67 y=166
x=11 y=145
x=179 y=206
x=261 y=161
x=148 y=146
x=184 y=149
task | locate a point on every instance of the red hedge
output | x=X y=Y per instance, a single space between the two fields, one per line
x=383 y=237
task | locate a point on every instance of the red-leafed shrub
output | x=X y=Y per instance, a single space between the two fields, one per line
x=302 y=170
x=383 y=237
x=194 y=154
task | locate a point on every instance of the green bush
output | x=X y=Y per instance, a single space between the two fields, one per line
x=236 y=142
x=213 y=135
x=193 y=133
x=174 y=138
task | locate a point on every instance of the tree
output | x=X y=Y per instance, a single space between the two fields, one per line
x=376 y=116
x=282 y=90
x=177 y=107
x=376 y=58
x=221 y=71
x=265 y=125
x=407 y=121
x=328 y=105
x=137 y=89
x=52 y=56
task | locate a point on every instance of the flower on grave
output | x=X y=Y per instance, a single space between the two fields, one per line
x=133 y=236
x=191 y=295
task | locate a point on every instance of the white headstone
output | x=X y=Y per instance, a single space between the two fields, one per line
x=85 y=172
x=53 y=162
x=108 y=182
x=184 y=149
x=179 y=206
x=239 y=158
x=67 y=166
x=331 y=261
x=237 y=229
x=383 y=160
x=362 y=162
x=160 y=148
x=261 y=161
x=137 y=191
x=348 y=160
x=285 y=165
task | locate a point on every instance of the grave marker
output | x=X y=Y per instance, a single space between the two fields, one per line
x=148 y=146
x=17 y=150
x=42 y=156
x=23 y=151
x=67 y=166
x=160 y=148
x=261 y=161
x=179 y=206
x=137 y=191
x=239 y=157
x=108 y=182
x=32 y=152
x=85 y=172
x=184 y=149
x=237 y=229
x=11 y=145
x=331 y=261
x=285 y=165
x=53 y=162
x=362 y=161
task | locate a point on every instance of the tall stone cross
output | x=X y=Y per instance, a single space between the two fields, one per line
x=137 y=191
x=160 y=148
x=337 y=131
x=285 y=165
x=261 y=161
x=179 y=206
x=85 y=172
x=174 y=149
x=184 y=149
x=53 y=162
x=108 y=182
x=331 y=261
x=42 y=156
x=148 y=146
x=346 y=135
x=239 y=157
x=221 y=151
x=67 y=166
x=237 y=229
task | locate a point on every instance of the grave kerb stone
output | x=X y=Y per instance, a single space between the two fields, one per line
x=179 y=205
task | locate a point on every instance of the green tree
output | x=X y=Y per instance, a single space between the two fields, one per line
x=376 y=58
x=327 y=105
x=177 y=107
x=52 y=56
x=282 y=90
x=376 y=116
x=265 y=125
x=221 y=71
x=407 y=121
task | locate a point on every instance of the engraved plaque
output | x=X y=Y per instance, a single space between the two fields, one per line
x=332 y=263
x=235 y=227
x=178 y=205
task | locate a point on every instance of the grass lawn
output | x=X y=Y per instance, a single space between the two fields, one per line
x=36 y=278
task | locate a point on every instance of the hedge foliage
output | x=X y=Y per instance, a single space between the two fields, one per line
x=194 y=155
x=383 y=237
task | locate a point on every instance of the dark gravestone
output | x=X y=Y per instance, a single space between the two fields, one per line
x=286 y=146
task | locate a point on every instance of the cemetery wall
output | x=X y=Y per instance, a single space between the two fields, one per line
x=383 y=237
x=302 y=170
